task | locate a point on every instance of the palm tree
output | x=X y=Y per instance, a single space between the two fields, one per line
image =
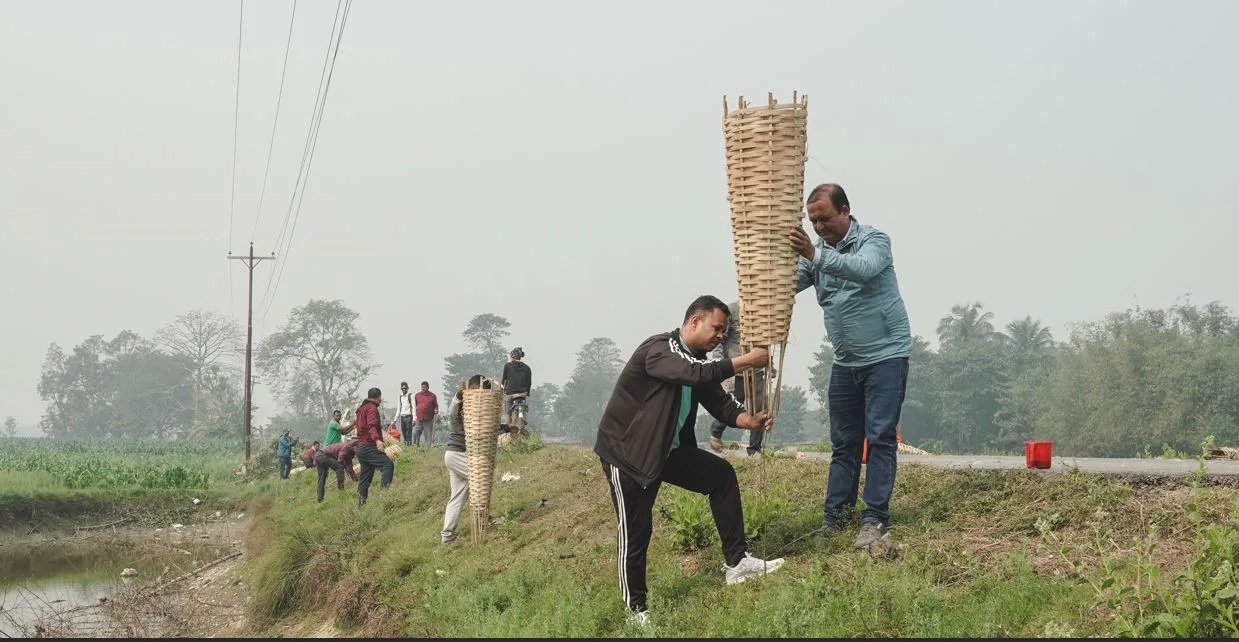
x=967 y=322
x=1028 y=336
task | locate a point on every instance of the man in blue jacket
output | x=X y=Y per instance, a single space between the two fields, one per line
x=284 y=453
x=647 y=437
x=853 y=271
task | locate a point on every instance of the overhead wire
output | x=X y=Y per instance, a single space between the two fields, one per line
x=236 y=120
x=279 y=97
x=308 y=152
x=314 y=117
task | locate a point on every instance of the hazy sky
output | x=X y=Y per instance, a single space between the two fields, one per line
x=561 y=163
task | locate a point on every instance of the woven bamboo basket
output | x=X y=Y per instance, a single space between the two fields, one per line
x=766 y=154
x=482 y=403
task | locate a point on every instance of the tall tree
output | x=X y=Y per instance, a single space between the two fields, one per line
x=542 y=408
x=118 y=388
x=819 y=379
x=484 y=334
x=1028 y=336
x=967 y=322
x=10 y=427
x=209 y=342
x=585 y=395
x=318 y=360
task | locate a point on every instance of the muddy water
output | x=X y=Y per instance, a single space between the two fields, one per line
x=44 y=578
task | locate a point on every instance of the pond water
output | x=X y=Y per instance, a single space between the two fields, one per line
x=47 y=578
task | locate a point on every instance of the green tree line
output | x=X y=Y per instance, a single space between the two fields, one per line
x=1135 y=380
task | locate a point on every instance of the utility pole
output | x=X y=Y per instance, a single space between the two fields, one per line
x=249 y=262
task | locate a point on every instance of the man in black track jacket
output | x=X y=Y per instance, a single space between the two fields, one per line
x=647 y=436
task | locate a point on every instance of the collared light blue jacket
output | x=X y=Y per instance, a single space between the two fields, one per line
x=866 y=321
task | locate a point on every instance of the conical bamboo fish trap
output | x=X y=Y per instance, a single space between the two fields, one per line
x=766 y=155
x=482 y=403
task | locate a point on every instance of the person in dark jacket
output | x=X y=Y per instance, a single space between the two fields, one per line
x=457 y=464
x=517 y=380
x=647 y=436
x=369 y=430
x=337 y=457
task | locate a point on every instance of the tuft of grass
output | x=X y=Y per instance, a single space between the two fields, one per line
x=973 y=560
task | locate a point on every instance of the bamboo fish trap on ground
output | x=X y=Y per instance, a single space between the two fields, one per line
x=766 y=155
x=482 y=403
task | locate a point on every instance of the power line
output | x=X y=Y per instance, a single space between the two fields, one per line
x=275 y=123
x=236 y=120
x=315 y=116
x=308 y=156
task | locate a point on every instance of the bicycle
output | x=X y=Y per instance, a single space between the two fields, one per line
x=517 y=425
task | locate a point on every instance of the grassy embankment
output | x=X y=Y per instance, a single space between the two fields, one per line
x=1016 y=553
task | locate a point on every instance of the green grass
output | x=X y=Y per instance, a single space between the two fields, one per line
x=50 y=484
x=973 y=562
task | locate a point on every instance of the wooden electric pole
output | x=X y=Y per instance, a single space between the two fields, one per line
x=249 y=262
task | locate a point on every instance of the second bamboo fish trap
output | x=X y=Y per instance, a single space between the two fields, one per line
x=482 y=403
x=765 y=146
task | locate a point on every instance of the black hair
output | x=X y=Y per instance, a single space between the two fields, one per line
x=374 y=393
x=704 y=304
x=838 y=197
x=425 y=383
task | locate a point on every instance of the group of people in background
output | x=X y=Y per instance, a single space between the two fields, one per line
x=416 y=413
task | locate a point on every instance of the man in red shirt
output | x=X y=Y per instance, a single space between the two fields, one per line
x=369 y=431
x=337 y=457
x=427 y=405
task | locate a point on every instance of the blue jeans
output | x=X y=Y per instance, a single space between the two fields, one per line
x=864 y=404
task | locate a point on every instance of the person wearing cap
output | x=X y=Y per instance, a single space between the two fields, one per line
x=517 y=380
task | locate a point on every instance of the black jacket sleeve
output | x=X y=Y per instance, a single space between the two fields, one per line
x=722 y=405
x=667 y=361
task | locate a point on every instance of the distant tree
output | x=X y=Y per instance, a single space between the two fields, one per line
x=967 y=322
x=484 y=334
x=580 y=405
x=10 y=427
x=792 y=417
x=819 y=379
x=119 y=388
x=542 y=401
x=210 y=344
x=318 y=360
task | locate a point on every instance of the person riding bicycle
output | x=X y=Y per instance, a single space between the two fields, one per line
x=517 y=381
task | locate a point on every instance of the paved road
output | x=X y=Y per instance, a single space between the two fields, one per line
x=1105 y=465
x=1112 y=466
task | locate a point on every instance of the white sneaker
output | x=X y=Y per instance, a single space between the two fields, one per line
x=640 y=618
x=749 y=567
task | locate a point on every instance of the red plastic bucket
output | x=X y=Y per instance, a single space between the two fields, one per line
x=1037 y=454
